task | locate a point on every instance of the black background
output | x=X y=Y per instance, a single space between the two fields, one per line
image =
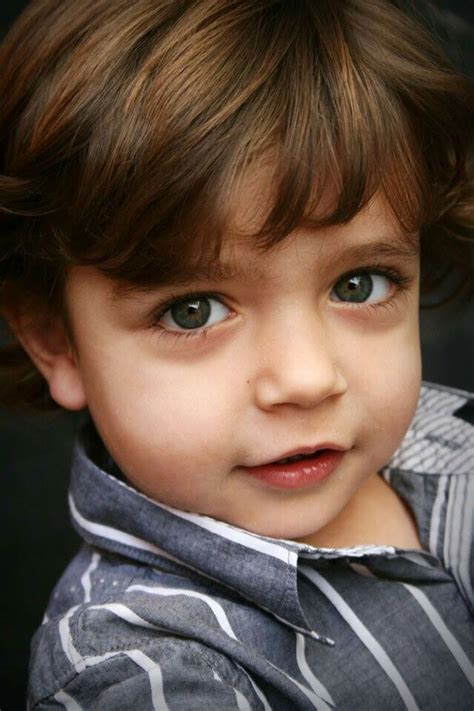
x=36 y=537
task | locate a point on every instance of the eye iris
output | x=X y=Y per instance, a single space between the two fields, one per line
x=356 y=288
x=191 y=314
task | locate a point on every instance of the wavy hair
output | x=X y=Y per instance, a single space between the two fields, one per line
x=125 y=128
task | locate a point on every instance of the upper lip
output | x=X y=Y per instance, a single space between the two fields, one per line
x=302 y=450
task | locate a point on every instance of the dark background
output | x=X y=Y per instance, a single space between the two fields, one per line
x=36 y=537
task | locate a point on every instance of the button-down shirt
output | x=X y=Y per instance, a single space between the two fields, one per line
x=166 y=609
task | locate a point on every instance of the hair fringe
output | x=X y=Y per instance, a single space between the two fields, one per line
x=117 y=151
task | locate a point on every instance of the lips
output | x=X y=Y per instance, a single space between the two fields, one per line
x=304 y=468
x=300 y=453
x=298 y=457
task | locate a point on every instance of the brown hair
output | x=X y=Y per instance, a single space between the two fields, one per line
x=125 y=128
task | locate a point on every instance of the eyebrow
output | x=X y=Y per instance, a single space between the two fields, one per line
x=402 y=247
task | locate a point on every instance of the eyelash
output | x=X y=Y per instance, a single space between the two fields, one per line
x=401 y=281
x=173 y=298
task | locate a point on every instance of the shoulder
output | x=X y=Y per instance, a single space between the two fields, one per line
x=440 y=439
x=433 y=470
x=163 y=672
x=126 y=643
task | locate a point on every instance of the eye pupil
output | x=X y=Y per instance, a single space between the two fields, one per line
x=191 y=314
x=356 y=288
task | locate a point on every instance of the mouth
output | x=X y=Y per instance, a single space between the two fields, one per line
x=299 y=454
x=298 y=469
x=300 y=457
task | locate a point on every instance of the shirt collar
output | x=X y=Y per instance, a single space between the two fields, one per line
x=110 y=514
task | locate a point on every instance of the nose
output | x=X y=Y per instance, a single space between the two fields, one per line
x=297 y=365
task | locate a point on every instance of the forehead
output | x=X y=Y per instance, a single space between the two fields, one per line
x=375 y=228
x=374 y=234
x=254 y=198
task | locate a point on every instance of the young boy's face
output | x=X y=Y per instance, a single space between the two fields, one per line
x=294 y=352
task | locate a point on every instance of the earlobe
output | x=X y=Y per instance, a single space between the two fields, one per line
x=65 y=384
x=48 y=346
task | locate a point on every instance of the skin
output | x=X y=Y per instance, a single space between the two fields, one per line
x=285 y=365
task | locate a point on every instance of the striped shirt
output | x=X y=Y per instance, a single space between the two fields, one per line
x=164 y=609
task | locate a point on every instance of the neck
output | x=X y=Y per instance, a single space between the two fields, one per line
x=375 y=515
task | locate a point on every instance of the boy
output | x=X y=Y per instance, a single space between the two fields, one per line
x=213 y=215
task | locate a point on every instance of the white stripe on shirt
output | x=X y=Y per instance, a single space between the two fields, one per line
x=217 y=609
x=113 y=534
x=466 y=537
x=125 y=613
x=155 y=677
x=436 y=514
x=306 y=672
x=66 y=641
x=86 y=578
x=242 y=702
x=257 y=690
x=445 y=634
x=226 y=530
x=67 y=701
x=452 y=540
x=374 y=647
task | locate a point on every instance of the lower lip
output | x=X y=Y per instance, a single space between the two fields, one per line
x=298 y=474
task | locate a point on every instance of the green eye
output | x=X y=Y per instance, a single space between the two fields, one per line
x=191 y=314
x=358 y=288
x=194 y=313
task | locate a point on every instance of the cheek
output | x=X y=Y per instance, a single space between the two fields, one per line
x=392 y=388
x=148 y=411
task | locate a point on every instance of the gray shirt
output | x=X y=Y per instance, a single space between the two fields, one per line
x=166 y=609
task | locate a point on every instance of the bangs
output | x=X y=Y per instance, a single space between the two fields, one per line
x=128 y=130
x=336 y=100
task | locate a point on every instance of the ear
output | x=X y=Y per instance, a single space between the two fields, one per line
x=46 y=341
